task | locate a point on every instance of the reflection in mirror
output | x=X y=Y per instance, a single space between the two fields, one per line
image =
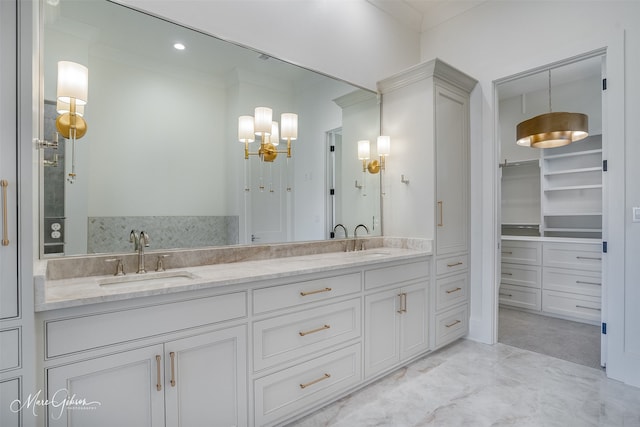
x=161 y=152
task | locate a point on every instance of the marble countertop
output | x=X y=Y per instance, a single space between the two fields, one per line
x=78 y=291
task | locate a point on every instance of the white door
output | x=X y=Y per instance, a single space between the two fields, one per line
x=205 y=379
x=451 y=171
x=382 y=329
x=123 y=389
x=269 y=200
x=414 y=320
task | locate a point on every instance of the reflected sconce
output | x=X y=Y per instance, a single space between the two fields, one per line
x=552 y=129
x=269 y=132
x=72 y=91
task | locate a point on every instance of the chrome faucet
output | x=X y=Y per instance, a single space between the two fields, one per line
x=346 y=235
x=355 y=237
x=139 y=242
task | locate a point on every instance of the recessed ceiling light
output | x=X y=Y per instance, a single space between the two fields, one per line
x=179 y=46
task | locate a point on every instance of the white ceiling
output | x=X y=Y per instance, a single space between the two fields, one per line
x=421 y=15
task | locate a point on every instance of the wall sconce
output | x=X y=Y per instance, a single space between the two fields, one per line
x=364 y=154
x=72 y=91
x=261 y=124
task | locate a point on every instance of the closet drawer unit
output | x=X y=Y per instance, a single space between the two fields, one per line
x=452 y=290
x=573 y=255
x=293 y=294
x=287 y=337
x=578 y=306
x=520 y=296
x=286 y=392
x=395 y=274
x=452 y=324
x=452 y=264
x=521 y=252
x=9 y=349
x=521 y=275
x=576 y=282
x=110 y=328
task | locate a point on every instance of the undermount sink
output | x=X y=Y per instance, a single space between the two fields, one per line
x=371 y=252
x=156 y=278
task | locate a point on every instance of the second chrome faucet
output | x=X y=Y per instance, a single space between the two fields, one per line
x=139 y=240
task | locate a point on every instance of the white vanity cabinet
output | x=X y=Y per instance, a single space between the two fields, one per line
x=166 y=364
x=396 y=315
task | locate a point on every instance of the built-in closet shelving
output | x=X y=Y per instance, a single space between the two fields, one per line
x=571 y=190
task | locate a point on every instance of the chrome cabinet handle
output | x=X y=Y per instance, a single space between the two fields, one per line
x=504 y=273
x=450 y=291
x=158 y=372
x=5 y=226
x=324 y=377
x=588 y=283
x=172 y=355
x=403 y=302
x=507 y=253
x=589 y=257
x=441 y=223
x=452 y=324
x=454 y=264
x=506 y=295
x=321 y=328
x=304 y=294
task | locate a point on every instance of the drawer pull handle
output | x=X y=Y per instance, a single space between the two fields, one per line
x=506 y=295
x=454 y=264
x=158 y=372
x=454 y=290
x=504 y=273
x=172 y=355
x=324 y=377
x=588 y=308
x=403 y=302
x=588 y=283
x=321 y=328
x=453 y=324
x=304 y=294
x=5 y=227
x=590 y=257
x=507 y=253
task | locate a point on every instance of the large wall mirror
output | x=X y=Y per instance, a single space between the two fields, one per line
x=161 y=151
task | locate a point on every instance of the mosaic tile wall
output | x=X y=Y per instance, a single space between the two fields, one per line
x=111 y=234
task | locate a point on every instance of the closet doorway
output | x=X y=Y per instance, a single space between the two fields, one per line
x=552 y=215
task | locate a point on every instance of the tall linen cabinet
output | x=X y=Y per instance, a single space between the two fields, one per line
x=425 y=111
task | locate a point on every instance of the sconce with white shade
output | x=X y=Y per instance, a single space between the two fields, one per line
x=552 y=129
x=262 y=125
x=364 y=154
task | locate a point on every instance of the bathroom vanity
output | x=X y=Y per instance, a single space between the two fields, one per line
x=256 y=342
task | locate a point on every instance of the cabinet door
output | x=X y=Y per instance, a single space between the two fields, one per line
x=205 y=379
x=451 y=133
x=116 y=390
x=414 y=336
x=9 y=392
x=382 y=329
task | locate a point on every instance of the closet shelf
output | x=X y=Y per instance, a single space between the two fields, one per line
x=572 y=214
x=574 y=187
x=574 y=230
x=577 y=170
x=573 y=154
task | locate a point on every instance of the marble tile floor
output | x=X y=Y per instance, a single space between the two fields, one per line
x=474 y=384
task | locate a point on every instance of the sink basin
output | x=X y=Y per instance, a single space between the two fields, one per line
x=371 y=253
x=155 y=278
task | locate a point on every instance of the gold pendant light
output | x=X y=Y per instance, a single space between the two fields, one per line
x=552 y=129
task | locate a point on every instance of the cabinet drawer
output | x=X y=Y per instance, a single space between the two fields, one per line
x=9 y=349
x=577 y=282
x=452 y=290
x=284 y=393
x=521 y=275
x=520 y=296
x=521 y=252
x=451 y=325
x=452 y=264
x=295 y=335
x=573 y=255
x=577 y=306
x=395 y=274
x=89 y=332
x=292 y=294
